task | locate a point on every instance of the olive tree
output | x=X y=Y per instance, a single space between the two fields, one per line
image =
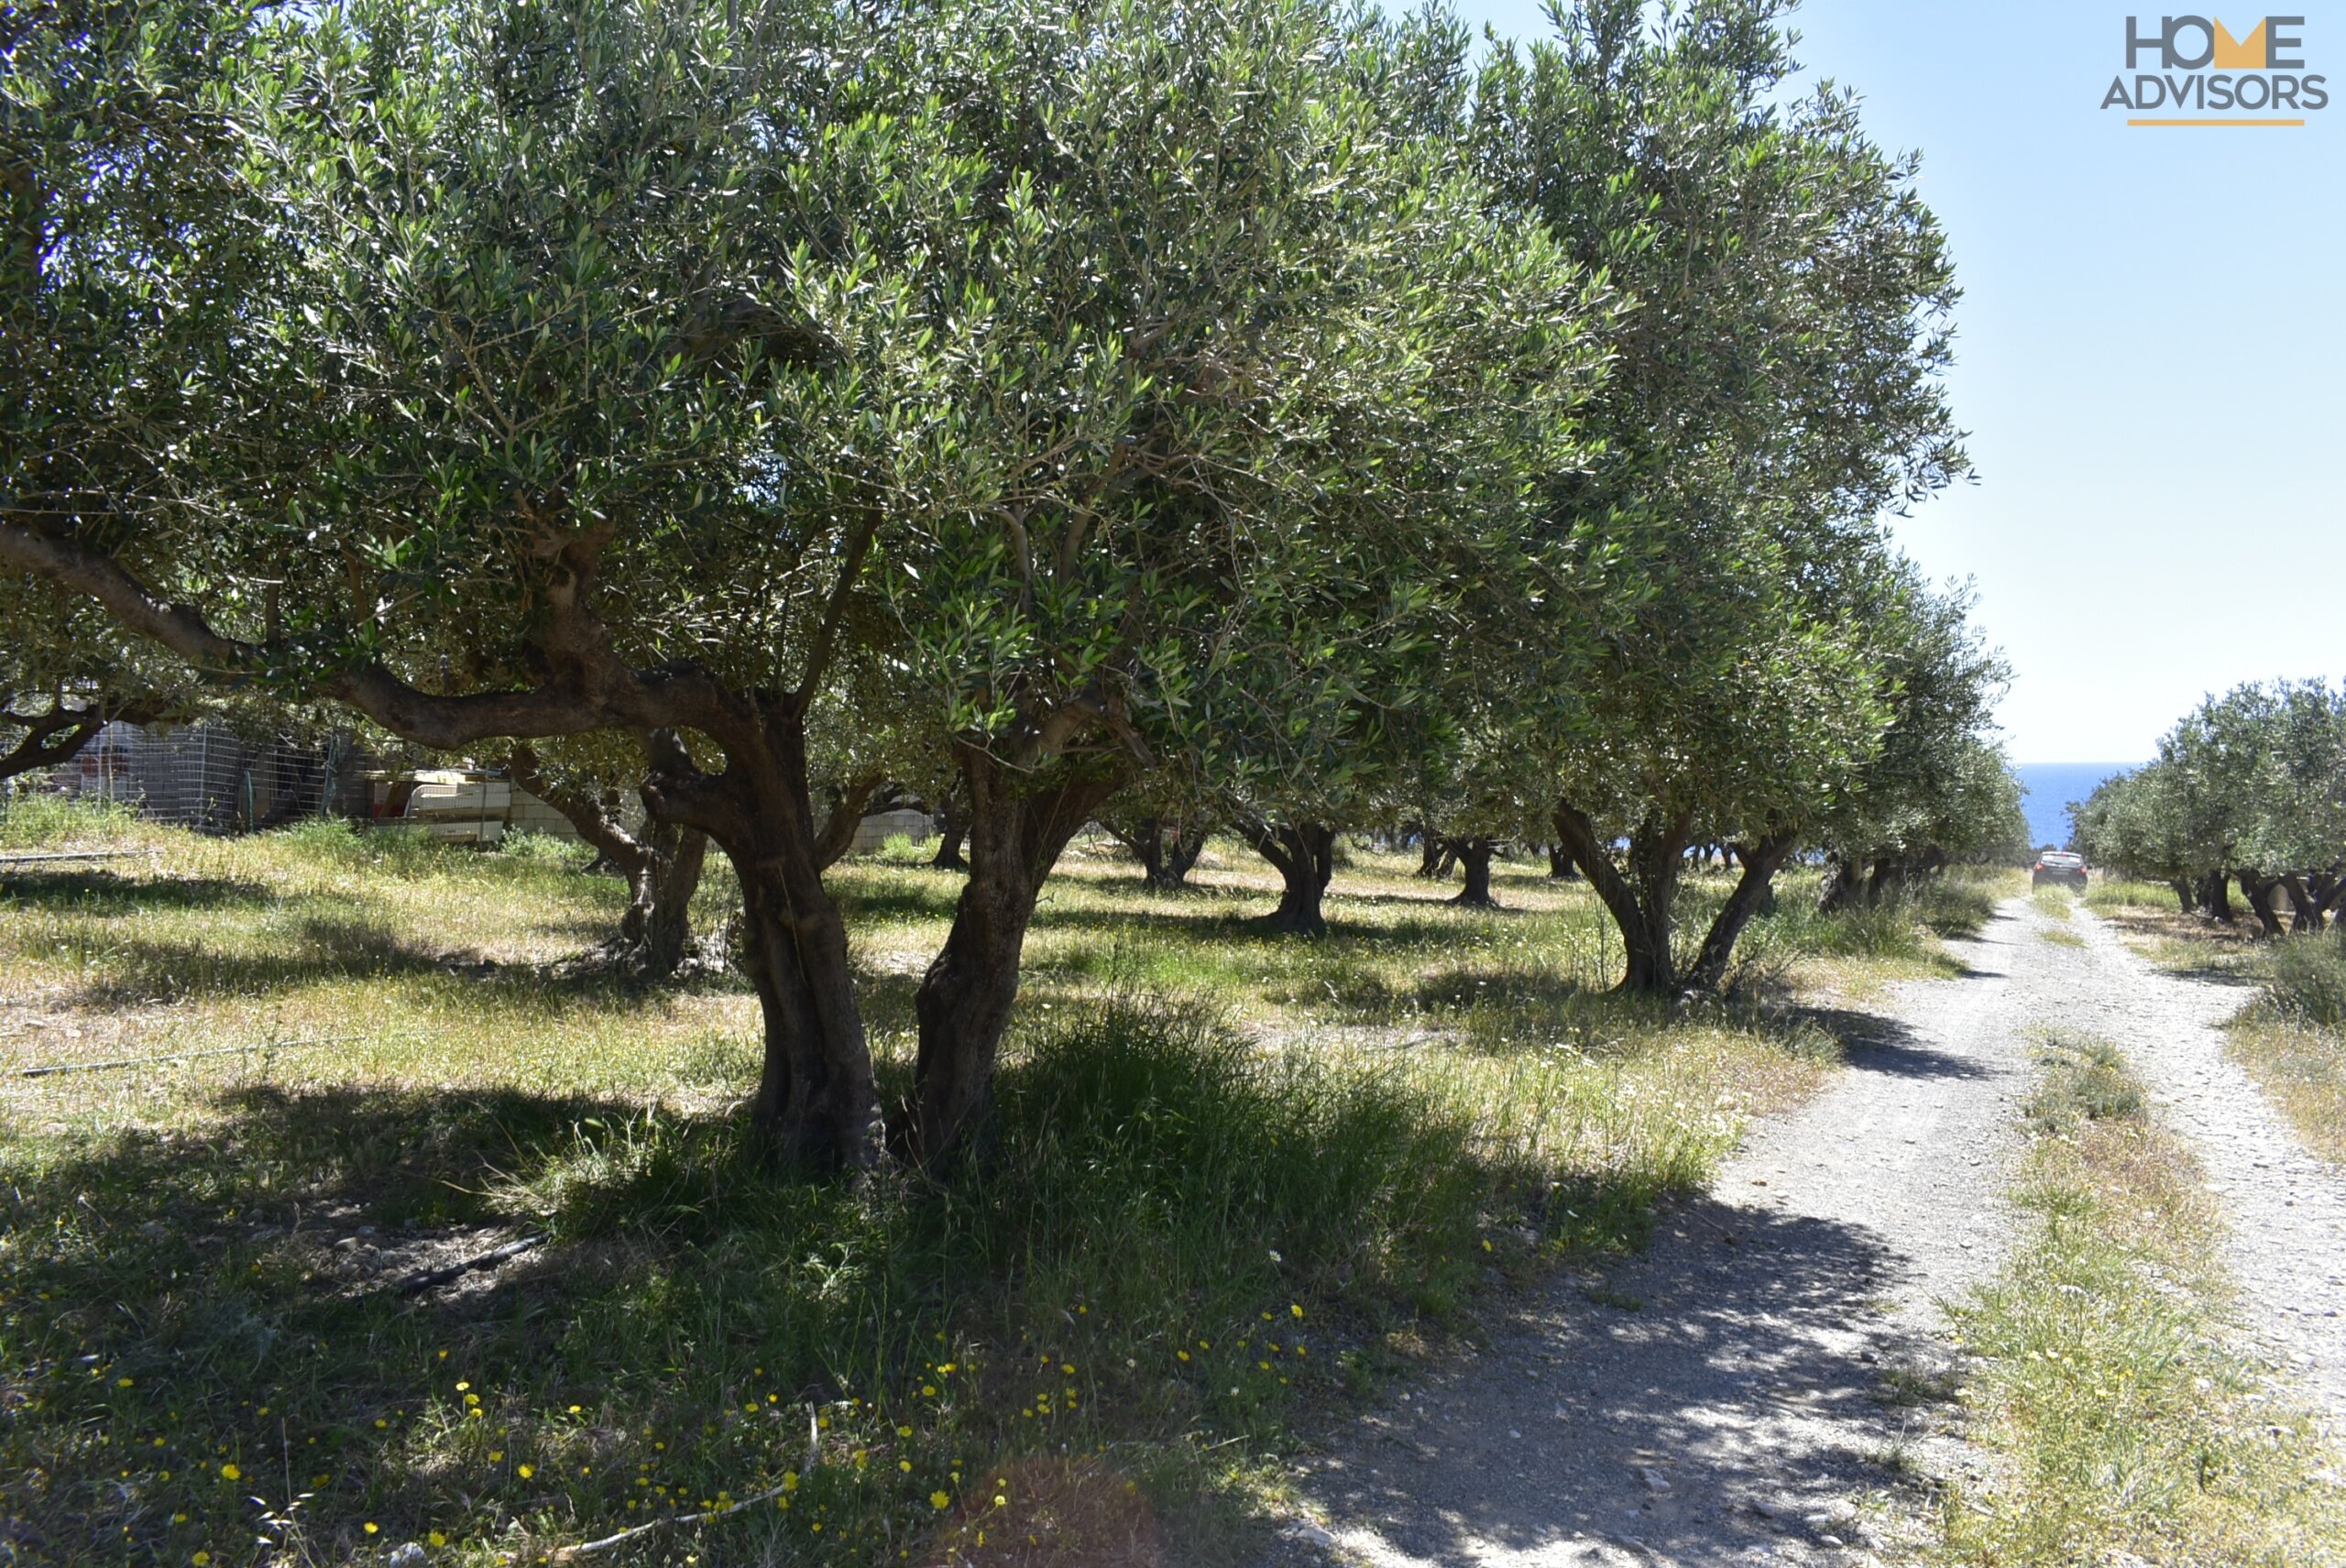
x=1775 y=386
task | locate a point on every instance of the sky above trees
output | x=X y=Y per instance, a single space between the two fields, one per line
x=2149 y=341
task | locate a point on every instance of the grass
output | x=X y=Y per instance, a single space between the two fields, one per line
x=2116 y=895
x=2121 y=1421
x=1233 y=1180
x=2292 y=1039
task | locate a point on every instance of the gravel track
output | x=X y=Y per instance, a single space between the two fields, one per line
x=1734 y=1395
x=2287 y=1209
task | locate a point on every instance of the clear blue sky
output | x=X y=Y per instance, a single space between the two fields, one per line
x=2151 y=336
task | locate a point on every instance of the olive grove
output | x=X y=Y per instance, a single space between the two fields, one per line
x=1246 y=411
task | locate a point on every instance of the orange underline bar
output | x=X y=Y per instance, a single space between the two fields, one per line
x=2215 y=122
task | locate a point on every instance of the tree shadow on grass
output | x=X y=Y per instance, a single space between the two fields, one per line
x=220 y=1289
x=320 y=950
x=108 y=894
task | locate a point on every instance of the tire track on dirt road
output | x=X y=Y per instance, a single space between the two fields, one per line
x=1743 y=1411
x=2287 y=1209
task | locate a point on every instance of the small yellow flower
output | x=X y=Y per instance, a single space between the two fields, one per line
x=460 y=1384
x=1296 y=1308
x=526 y=1471
x=1066 y=1368
x=372 y=1528
x=938 y=1500
x=904 y=1432
x=947 y=1368
x=906 y=1465
x=1000 y=1501
x=929 y=1390
x=231 y=1471
x=122 y=1382
x=790 y=1482
x=496 y=1455
x=1182 y=1354
x=435 y=1538
x=200 y=1559
x=574 y=1410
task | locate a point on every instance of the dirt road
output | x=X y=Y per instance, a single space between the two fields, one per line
x=2287 y=1209
x=1738 y=1394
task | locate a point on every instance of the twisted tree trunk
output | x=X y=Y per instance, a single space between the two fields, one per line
x=1561 y=867
x=1752 y=891
x=1840 y=887
x=663 y=868
x=949 y=838
x=1433 y=858
x=1167 y=850
x=2215 y=896
x=964 y=1002
x=1639 y=901
x=816 y=1104
x=1304 y=854
x=1475 y=854
x=2258 y=891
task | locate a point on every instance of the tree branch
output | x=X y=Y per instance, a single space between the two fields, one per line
x=597 y=691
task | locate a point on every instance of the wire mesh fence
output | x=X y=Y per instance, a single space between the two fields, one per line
x=209 y=777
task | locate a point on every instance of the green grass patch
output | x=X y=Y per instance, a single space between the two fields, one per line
x=2114 y=895
x=2121 y=1421
x=2292 y=1039
x=40 y=820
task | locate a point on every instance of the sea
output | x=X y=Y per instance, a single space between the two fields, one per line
x=2051 y=786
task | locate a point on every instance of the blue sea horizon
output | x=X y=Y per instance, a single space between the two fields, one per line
x=2051 y=786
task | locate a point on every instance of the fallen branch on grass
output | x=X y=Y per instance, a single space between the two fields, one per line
x=6 y=861
x=425 y=1279
x=51 y=1070
x=706 y=1515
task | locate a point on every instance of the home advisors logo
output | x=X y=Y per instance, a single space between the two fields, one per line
x=2209 y=76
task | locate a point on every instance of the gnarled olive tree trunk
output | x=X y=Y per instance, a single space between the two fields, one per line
x=1640 y=900
x=816 y=1104
x=2257 y=889
x=663 y=867
x=1561 y=865
x=1841 y=885
x=1304 y=854
x=1016 y=833
x=2215 y=895
x=951 y=835
x=1753 y=891
x=1475 y=854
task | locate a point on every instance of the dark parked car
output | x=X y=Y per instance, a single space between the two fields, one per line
x=2059 y=867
